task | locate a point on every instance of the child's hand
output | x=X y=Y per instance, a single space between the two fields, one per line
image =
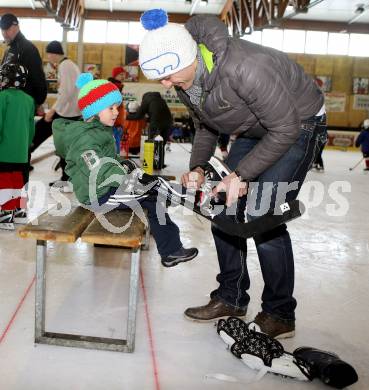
x=193 y=179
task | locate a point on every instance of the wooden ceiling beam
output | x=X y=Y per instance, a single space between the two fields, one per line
x=297 y=24
x=25 y=12
x=293 y=24
x=91 y=14
x=227 y=8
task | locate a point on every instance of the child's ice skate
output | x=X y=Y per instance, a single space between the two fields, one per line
x=7 y=220
x=138 y=185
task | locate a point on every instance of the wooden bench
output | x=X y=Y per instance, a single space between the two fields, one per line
x=81 y=223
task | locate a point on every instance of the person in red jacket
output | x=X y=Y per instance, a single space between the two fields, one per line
x=117 y=76
x=134 y=128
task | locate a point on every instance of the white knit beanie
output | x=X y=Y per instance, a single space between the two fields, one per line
x=166 y=48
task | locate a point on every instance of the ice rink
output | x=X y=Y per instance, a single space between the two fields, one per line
x=87 y=293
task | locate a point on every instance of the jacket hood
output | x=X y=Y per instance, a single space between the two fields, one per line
x=73 y=129
x=68 y=132
x=210 y=31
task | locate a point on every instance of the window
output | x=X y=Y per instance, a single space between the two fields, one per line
x=316 y=42
x=72 y=36
x=51 y=30
x=136 y=33
x=338 y=43
x=30 y=27
x=273 y=38
x=294 y=41
x=117 y=32
x=359 y=45
x=94 y=31
x=254 y=37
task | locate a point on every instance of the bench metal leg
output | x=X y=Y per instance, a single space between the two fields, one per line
x=40 y=289
x=146 y=244
x=80 y=341
x=133 y=297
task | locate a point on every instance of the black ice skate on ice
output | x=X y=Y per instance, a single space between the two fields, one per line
x=259 y=351
x=327 y=366
x=265 y=354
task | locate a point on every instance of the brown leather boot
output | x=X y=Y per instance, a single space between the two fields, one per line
x=214 y=310
x=274 y=327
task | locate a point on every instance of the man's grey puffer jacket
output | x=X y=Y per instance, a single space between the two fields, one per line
x=250 y=89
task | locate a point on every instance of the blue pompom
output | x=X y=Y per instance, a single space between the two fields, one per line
x=154 y=18
x=83 y=79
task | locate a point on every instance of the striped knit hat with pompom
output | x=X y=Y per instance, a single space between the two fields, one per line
x=95 y=95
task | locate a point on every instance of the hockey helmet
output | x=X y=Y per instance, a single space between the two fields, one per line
x=12 y=76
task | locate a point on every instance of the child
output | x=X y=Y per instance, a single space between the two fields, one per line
x=84 y=144
x=363 y=141
x=117 y=75
x=16 y=132
x=134 y=128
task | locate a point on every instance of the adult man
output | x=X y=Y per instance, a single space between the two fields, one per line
x=66 y=104
x=23 y=52
x=233 y=86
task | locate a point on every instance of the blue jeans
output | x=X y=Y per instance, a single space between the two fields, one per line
x=274 y=247
x=165 y=233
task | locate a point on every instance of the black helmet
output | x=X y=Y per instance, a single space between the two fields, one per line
x=12 y=76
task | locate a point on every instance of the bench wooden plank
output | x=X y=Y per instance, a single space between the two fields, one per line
x=56 y=228
x=132 y=237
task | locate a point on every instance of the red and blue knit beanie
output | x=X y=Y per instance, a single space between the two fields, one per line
x=95 y=95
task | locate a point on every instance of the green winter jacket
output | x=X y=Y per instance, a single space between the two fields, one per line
x=84 y=146
x=17 y=125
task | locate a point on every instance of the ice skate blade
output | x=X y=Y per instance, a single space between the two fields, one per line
x=211 y=320
x=7 y=226
x=283 y=366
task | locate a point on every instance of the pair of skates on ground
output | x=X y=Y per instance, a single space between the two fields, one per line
x=265 y=354
x=139 y=185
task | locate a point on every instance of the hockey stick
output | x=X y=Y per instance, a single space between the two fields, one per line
x=351 y=169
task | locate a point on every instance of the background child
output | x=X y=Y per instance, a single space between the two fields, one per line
x=134 y=128
x=117 y=76
x=16 y=132
x=84 y=144
x=363 y=141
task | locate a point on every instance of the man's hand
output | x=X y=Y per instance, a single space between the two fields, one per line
x=233 y=186
x=193 y=179
x=49 y=115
